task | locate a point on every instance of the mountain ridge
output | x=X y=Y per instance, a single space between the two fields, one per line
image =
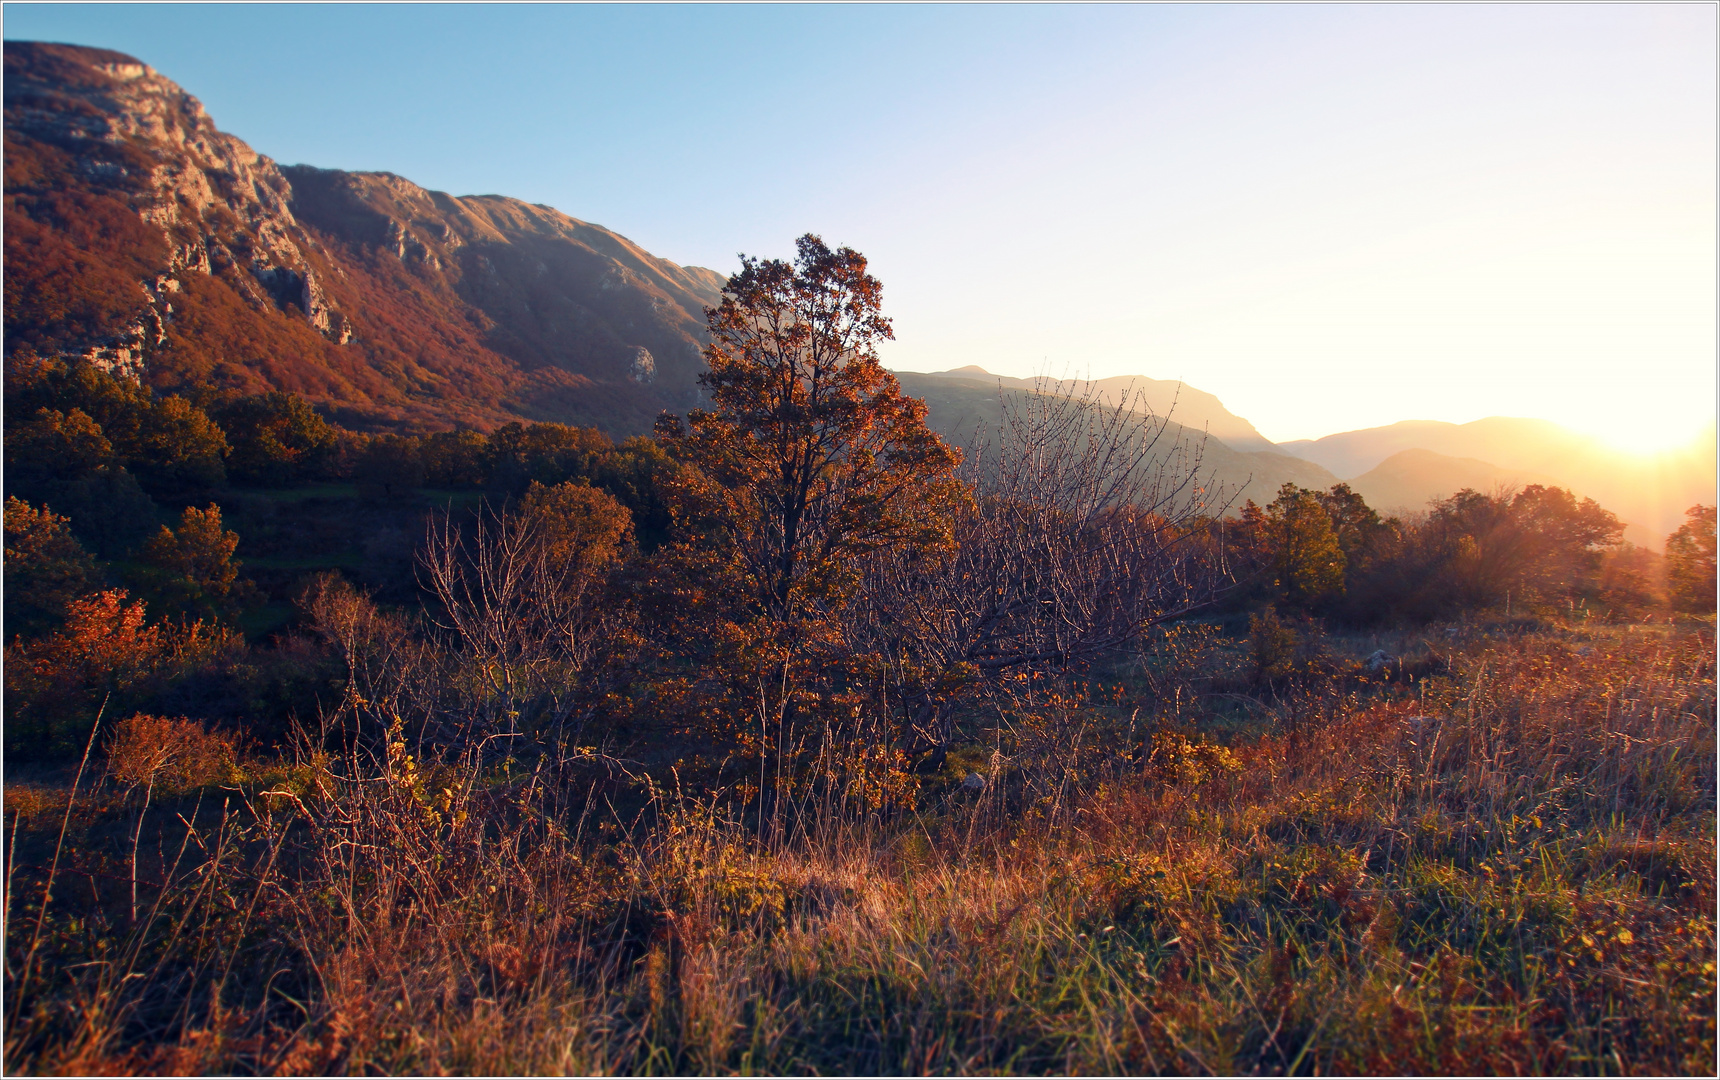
x=394 y=307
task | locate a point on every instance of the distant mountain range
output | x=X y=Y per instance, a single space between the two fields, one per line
x=1398 y=469
x=144 y=239
x=1236 y=466
x=1402 y=466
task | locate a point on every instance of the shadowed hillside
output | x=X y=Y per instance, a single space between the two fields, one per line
x=960 y=405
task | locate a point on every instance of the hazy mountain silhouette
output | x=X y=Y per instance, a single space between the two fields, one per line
x=963 y=402
x=1651 y=493
x=1188 y=406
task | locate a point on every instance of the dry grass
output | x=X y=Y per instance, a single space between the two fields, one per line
x=1509 y=869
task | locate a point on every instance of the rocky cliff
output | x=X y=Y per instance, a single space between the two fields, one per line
x=140 y=236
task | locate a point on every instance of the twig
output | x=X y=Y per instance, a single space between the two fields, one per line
x=54 y=867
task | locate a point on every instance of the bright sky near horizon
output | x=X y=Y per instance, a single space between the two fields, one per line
x=1332 y=217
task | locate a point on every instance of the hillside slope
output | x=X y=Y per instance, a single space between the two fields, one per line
x=1186 y=405
x=142 y=237
x=959 y=407
x=1410 y=479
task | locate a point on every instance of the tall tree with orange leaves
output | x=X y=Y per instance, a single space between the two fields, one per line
x=808 y=459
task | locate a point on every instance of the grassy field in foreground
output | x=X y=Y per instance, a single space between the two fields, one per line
x=1507 y=866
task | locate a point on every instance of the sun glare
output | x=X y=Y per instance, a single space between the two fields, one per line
x=1653 y=440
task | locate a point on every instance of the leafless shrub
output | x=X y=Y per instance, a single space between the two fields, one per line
x=516 y=594
x=392 y=673
x=1085 y=530
x=168 y=753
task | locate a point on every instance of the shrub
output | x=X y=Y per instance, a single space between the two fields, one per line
x=105 y=652
x=276 y=439
x=169 y=754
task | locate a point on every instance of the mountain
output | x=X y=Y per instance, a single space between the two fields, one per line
x=1650 y=493
x=1509 y=442
x=140 y=236
x=962 y=403
x=1410 y=479
x=1169 y=398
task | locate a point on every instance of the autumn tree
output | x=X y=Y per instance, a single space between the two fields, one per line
x=46 y=568
x=1690 y=561
x=190 y=571
x=275 y=438
x=584 y=530
x=808 y=460
x=1298 y=547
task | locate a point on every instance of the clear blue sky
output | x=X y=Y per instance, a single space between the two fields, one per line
x=1330 y=216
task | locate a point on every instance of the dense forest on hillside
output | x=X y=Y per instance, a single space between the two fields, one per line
x=792 y=738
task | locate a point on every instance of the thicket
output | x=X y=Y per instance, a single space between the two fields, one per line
x=793 y=739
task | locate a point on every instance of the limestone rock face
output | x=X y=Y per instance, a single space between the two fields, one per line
x=390 y=304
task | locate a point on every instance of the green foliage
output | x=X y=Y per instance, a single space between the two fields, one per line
x=1356 y=525
x=176 y=450
x=1271 y=645
x=389 y=467
x=53 y=448
x=276 y=439
x=1690 y=561
x=454 y=459
x=639 y=473
x=95 y=418
x=190 y=571
x=110 y=511
x=519 y=455
x=1308 y=560
x=46 y=569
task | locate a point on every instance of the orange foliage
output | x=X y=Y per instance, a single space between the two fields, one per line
x=106 y=651
x=168 y=753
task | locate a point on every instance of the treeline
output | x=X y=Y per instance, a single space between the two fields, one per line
x=1530 y=552
x=110 y=453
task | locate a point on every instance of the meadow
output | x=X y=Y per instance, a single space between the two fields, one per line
x=1494 y=856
